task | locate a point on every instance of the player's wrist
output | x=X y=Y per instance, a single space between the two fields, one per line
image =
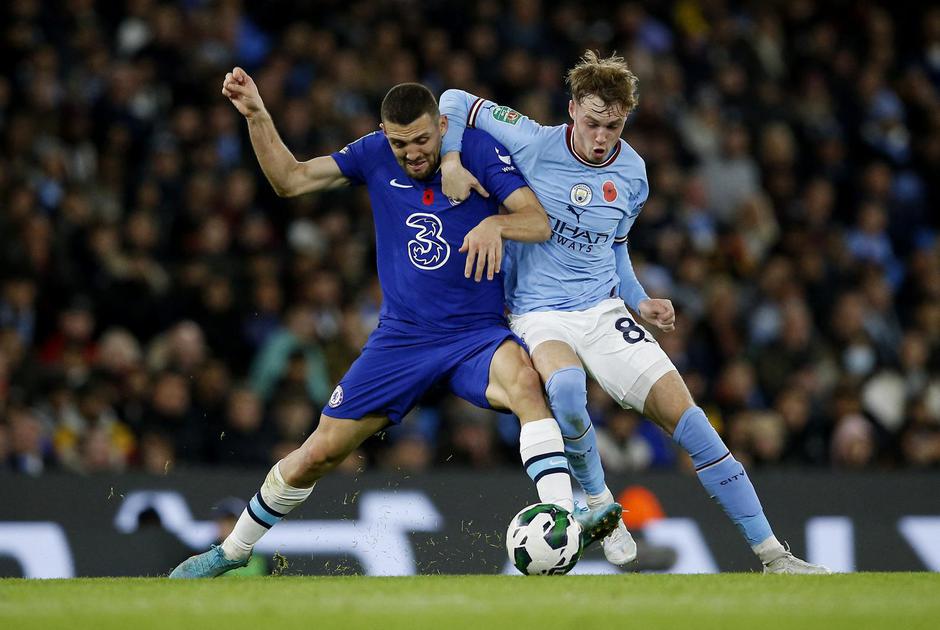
x=497 y=222
x=450 y=160
x=259 y=115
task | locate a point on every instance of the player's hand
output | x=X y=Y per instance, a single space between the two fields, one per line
x=659 y=313
x=456 y=181
x=484 y=247
x=240 y=88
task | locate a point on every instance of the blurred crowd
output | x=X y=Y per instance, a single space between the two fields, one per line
x=161 y=307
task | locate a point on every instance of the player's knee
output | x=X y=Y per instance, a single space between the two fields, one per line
x=318 y=458
x=567 y=393
x=527 y=384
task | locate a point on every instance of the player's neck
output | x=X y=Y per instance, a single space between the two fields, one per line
x=587 y=155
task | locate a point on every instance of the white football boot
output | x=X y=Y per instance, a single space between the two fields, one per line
x=619 y=546
x=790 y=564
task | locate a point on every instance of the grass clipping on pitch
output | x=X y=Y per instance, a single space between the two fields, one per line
x=900 y=601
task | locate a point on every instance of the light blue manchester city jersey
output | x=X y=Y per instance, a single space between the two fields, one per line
x=590 y=207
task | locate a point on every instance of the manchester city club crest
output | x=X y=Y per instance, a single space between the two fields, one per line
x=581 y=194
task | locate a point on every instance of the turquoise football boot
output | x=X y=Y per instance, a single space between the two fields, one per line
x=208 y=564
x=597 y=523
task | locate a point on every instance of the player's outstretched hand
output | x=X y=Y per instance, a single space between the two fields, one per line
x=659 y=313
x=483 y=246
x=240 y=88
x=456 y=181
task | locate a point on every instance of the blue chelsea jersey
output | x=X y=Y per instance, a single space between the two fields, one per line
x=418 y=232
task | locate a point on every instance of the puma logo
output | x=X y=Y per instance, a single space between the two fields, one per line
x=577 y=215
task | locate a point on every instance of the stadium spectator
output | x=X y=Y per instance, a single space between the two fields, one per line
x=143 y=257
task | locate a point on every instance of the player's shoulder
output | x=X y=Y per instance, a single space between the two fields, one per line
x=629 y=163
x=476 y=139
x=370 y=142
x=480 y=149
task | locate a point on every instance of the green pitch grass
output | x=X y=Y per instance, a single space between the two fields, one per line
x=899 y=601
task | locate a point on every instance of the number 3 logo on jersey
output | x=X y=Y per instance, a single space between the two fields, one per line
x=428 y=249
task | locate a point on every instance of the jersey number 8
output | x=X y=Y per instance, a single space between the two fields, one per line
x=632 y=332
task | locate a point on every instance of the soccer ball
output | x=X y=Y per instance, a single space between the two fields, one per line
x=543 y=539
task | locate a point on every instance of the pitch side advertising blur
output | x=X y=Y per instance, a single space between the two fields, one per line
x=396 y=524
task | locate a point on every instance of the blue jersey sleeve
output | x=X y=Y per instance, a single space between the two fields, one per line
x=491 y=163
x=353 y=159
x=638 y=197
x=464 y=110
x=631 y=290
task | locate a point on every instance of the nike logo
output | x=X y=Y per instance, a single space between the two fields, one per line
x=394 y=182
x=505 y=159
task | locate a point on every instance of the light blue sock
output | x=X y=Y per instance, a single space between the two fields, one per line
x=722 y=475
x=567 y=395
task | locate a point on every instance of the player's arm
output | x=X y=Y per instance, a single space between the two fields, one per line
x=658 y=312
x=631 y=290
x=463 y=110
x=525 y=221
x=288 y=177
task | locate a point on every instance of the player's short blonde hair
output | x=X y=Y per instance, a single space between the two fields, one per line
x=610 y=79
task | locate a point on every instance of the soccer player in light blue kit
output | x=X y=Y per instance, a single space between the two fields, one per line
x=438 y=325
x=567 y=295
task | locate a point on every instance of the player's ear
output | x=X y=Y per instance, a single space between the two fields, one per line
x=443 y=124
x=382 y=127
x=571 y=108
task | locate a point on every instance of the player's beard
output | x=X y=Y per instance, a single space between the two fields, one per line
x=432 y=162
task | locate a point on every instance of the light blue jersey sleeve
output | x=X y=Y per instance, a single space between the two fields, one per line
x=512 y=129
x=630 y=290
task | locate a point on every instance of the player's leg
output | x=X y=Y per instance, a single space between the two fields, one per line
x=670 y=405
x=287 y=485
x=380 y=387
x=566 y=386
x=291 y=480
x=638 y=374
x=550 y=337
x=515 y=385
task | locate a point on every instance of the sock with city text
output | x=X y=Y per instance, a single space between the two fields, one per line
x=725 y=480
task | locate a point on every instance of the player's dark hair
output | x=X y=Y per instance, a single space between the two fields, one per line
x=407 y=102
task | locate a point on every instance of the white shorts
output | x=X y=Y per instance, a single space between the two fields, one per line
x=621 y=355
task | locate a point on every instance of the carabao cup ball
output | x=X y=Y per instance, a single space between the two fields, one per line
x=543 y=539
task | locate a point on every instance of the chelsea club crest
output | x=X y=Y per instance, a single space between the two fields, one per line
x=581 y=194
x=337 y=398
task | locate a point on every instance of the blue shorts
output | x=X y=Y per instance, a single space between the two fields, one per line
x=396 y=368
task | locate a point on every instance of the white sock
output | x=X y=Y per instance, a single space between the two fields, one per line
x=769 y=550
x=543 y=456
x=597 y=500
x=266 y=508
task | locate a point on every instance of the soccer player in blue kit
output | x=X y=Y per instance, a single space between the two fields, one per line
x=567 y=296
x=440 y=324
